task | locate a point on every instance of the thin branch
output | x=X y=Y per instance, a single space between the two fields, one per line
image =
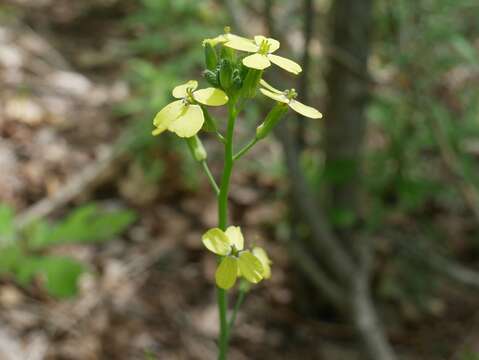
x=210 y=177
x=364 y=314
x=245 y=149
x=417 y=250
x=239 y=302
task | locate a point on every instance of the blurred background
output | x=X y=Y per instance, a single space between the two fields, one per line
x=370 y=215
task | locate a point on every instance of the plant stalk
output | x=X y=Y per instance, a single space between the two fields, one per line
x=223 y=223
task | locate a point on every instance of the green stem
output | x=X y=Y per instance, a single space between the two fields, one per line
x=210 y=176
x=238 y=304
x=223 y=223
x=245 y=149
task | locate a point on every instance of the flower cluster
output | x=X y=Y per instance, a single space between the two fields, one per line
x=234 y=71
x=236 y=262
x=232 y=75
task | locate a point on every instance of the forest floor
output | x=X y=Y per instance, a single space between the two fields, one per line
x=150 y=293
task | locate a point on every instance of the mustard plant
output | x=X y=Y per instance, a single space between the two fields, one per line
x=234 y=75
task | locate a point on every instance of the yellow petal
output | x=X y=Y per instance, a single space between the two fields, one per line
x=274 y=96
x=167 y=115
x=179 y=91
x=286 y=64
x=211 y=96
x=242 y=44
x=265 y=261
x=215 y=41
x=227 y=272
x=189 y=122
x=235 y=237
x=216 y=241
x=258 y=39
x=273 y=43
x=257 y=61
x=233 y=37
x=305 y=110
x=250 y=267
x=269 y=87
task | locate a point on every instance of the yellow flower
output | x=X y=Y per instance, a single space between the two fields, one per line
x=184 y=117
x=266 y=262
x=263 y=49
x=221 y=39
x=289 y=97
x=236 y=261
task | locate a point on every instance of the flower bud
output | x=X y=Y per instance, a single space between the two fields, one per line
x=211 y=59
x=196 y=147
x=273 y=117
x=237 y=80
x=211 y=77
x=250 y=83
x=226 y=74
x=227 y=53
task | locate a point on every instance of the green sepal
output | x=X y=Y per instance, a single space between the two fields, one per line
x=197 y=149
x=237 y=79
x=273 y=117
x=211 y=58
x=211 y=77
x=226 y=74
x=250 y=83
x=227 y=53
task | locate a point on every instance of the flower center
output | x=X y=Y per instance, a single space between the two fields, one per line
x=264 y=47
x=188 y=99
x=291 y=94
x=234 y=251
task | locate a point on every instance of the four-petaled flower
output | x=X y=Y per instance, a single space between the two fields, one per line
x=223 y=38
x=236 y=261
x=289 y=97
x=185 y=117
x=263 y=49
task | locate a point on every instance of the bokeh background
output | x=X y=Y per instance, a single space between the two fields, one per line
x=370 y=215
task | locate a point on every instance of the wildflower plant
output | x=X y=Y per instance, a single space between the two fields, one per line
x=234 y=68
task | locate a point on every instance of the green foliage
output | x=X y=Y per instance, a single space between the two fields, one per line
x=24 y=256
x=425 y=51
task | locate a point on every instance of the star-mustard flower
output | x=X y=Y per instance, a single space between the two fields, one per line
x=289 y=97
x=236 y=261
x=185 y=117
x=263 y=49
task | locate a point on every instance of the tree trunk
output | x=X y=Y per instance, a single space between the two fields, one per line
x=348 y=93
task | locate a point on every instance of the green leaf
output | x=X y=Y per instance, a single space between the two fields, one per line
x=86 y=224
x=59 y=274
x=10 y=258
